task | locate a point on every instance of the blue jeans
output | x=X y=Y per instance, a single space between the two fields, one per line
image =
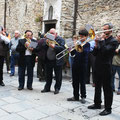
x=14 y=57
x=114 y=70
x=71 y=62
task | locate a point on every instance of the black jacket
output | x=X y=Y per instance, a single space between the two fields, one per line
x=21 y=49
x=104 y=53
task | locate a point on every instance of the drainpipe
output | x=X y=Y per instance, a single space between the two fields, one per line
x=75 y=16
x=5 y=9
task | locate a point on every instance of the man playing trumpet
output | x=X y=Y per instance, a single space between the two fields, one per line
x=105 y=46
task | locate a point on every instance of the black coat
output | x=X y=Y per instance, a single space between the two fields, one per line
x=104 y=54
x=21 y=49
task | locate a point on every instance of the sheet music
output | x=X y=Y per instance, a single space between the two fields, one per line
x=33 y=44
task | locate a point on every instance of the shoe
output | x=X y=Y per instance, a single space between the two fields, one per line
x=2 y=84
x=83 y=101
x=20 y=88
x=44 y=90
x=105 y=112
x=94 y=107
x=29 y=88
x=72 y=99
x=56 y=91
x=118 y=92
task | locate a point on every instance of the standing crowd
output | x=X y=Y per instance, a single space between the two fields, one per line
x=102 y=55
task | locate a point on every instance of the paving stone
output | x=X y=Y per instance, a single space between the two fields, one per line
x=12 y=117
x=50 y=109
x=10 y=99
x=32 y=114
x=3 y=113
x=55 y=117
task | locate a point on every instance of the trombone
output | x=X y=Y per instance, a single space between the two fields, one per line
x=70 y=47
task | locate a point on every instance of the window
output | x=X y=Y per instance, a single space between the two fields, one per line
x=50 y=15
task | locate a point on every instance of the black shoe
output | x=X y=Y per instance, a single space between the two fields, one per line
x=94 y=106
x=56 y=91
x=11 y=75
x=105 y=112
x=44 y=90
x=2 y=84
x=29 y=88
x=72 y=99
x=20 y=88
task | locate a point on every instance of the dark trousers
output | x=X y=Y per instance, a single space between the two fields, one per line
x=41 y=68
x=91 y=64
x=50 y=66
x=7 y=59
x=79 y=80
x=1 y=68
x=103 y=78
x=21 y=72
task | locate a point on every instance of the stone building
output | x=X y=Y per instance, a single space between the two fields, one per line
x=60 y=14
x=41 y=15
x=22 y=15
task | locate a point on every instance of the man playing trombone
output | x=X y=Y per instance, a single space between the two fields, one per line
x=104 y=51
x=79 y=68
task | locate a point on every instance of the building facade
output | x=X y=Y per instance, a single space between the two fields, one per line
x=94 y=12
x=41 y=15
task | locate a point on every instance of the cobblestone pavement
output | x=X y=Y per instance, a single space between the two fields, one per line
x=34 y=105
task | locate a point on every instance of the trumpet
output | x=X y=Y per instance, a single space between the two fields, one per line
x=92 y=32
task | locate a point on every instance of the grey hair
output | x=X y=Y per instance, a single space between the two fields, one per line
x=16 y=31
x=109 y=24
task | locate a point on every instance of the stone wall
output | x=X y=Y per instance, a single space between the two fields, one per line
x=23 y=15
x=1 y=12
x=94 y=12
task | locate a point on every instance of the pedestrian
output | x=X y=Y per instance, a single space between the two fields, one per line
x=14 y=53
x=105 y=46
x=4 y=42
x=79 y=69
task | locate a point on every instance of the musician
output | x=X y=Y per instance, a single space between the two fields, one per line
x=26 y=60
x=116 y=65
x=104 y=51
x=4 y=41
x=52 y=63
x=79 y=69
